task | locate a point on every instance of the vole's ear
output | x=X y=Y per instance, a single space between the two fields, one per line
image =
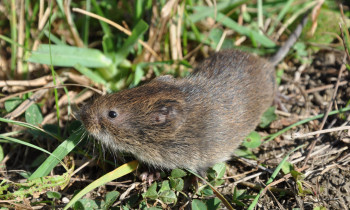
x=167 y=113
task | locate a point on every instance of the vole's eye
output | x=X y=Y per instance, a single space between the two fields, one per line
x=112 y=114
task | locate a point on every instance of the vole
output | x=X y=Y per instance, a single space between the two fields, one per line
x=191 y=122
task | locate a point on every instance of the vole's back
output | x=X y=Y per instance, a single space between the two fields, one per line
x=229 y=93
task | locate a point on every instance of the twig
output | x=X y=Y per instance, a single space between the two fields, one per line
x=41 y=24
x=294 y=136
x=83 y=166
x=272 y=189
x=72 y=29
x=27 y=83
x=28 y=102
x=325 y=87
x=311 y=147
x=287 y=176
x=49 y=87
x=247 y=178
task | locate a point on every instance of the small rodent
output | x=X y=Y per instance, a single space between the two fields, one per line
x=192 y=122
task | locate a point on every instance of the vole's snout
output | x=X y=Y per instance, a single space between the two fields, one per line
x=89 y=119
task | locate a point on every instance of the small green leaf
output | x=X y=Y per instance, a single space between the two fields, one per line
x=253 y=140
x=297 y=175
x=168 y=197
x=245 y=153
x=165 y=186
x=207 y=191
x=268 y=117
x=211 y=174
x=86 y=203
x=220 y=169
x=176 y=184
x=198 y=205
x=213 y=203
x=12 y=103
x=300 y=188
x=217 y=182
x=151 y=193
x=53 y=195
x=237 y=194
x=111 y=197
x=178 y=173
x=300 y=48
x=279 y=74
x=287 y=167
x=33 y=115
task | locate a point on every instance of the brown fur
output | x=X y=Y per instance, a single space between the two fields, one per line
x=192 y=122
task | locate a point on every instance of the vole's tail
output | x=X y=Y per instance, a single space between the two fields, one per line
x=282 y=52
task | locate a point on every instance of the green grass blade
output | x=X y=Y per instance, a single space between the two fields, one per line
x=68 y=56
x=60 y=152
x=53 y=73
x=273 y=136
x=118 y=172
x=273 y=176
x=203 y=12
x=106 y=30
x=53 y=38
x=86 y=24
x=29 y=145
x=280 y=16
x=27 y=125
x=140 y=28
x=254 y=35
x=5 y=38
x=94 y=76
x=99 y=11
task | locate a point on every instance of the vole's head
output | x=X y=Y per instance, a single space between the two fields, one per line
x=134 y=119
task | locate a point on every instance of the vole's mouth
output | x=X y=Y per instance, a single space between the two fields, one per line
x=105 y=139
